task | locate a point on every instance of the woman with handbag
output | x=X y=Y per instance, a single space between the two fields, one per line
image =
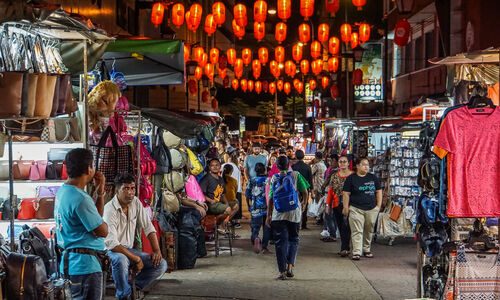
x=333 y=212
x=362 y=196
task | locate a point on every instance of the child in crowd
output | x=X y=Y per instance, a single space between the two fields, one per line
x=256 y=193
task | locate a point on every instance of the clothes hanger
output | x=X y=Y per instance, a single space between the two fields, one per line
x=480 y=102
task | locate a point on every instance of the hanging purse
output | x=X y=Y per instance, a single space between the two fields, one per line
x=21 y=169
x=194 y=163
x=11 y=86
x=146 y=191
x=44 y=208
x=26 y=209
x=31 y=95
x=64 y=93
x=395 y=212
x=161 y=155
x=34 y=173
x=49 y=132
x=55 y=96
x=45 y=95
x=170 y=202
x=174 y=181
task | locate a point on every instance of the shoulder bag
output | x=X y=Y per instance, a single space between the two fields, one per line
x=11 y=86
x=170 y=202
x=161 y=155
x=26 y=209
x=27 y=278
x=171 y=140
x=44 y=208
x=174 y=181
x=31 y=95
x=177 y=158
x=21 y=169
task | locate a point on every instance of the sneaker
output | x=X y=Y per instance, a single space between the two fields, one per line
x=325 y=233
x=281 y=276
x=289 y=274
x=257 y=246
x=237 y=225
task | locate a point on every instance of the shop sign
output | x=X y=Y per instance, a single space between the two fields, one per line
x=299 y=127
x=309 y=93
x=372 y=86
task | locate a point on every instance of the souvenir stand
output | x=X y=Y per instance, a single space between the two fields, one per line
x=338 y=137
x=45 y=122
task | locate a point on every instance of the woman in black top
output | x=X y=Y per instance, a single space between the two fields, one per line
x=362 y=197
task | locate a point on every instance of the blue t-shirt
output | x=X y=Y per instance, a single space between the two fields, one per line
x=256 y=192
x=251 y=161
x=76 y=218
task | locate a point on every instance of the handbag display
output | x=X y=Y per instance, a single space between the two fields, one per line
x=114 y=160
x=25 y=128
x=27 y=278
x=161 y=155
x=170 y=201
x=194 y=164
x=26 y=209
x=31 y=97
x=54 y=170
x=174 y=181
x=45 y=95
x=171 y=140
x=395 y=212
x=11 y=86
x=177 y=158
x=55 y=97
x=21 y=169
x=44 y=208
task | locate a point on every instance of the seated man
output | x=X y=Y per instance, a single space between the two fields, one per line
x=124 y=214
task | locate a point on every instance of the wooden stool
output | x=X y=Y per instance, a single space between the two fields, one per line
x=211 y=224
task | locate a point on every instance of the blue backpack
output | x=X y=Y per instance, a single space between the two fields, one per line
x=285 y=195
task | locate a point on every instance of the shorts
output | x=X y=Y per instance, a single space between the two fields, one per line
x=217 y=208
x=232 y=203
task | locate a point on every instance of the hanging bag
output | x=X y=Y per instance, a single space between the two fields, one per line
x=193 y=189
x=31 y=95
x=171 y=140
x=195 y=166
x=114 y=160
x=161 y=155
x=11 y=86
x=174 y=181
x=26 y=209
x=44 y=208
x=177 y=159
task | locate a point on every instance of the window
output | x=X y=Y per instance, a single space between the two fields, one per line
x=429 y=47
x=418 y=57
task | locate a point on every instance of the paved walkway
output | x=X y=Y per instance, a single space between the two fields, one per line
x=320 y=274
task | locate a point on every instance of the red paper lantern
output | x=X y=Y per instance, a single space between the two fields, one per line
x=402 y=32
x=287 y=88
x=323 y=32
x=250 y=85
x=272 y=88
x=204 y=60
x=215 y=103
x=280 y=32
x=238 y=31
x=214 y=55
x=178 y=14
x=359 y=3
x=295 y=82
x=246 y=55
x=260 y=11
x=317 y=66
x=187 y=49
x=219 y=12
x=195 y=14
x=265 y=86
x=280 y=85
x=259 y=30
x=299 y=87
x=290 y=68
x=198 y=53
x=334 y=91
x=333 y=64
x=364 y=32
x=157 y=13
x=209 y=71
x=223 y=73
x=235 y=84
x=345 y=32
x=198 y=72
x=315 y=49
x=263 y=54
x=357 y=77
x=304 y=66
x=354 y=40
x=312 y=84
x=297 y=52
x=304 y=33
x=279 y=54
x=306 y=8
x=244 y=85
x=258 y=87
x=210 y=25
x=275 y=69
x=240 y=15
x=231 y=55
x=256 y=68
x=332 y=6
x=284 y=8
x=325 y=81
x=238 y=65
x=333 y=45
x=192 y=86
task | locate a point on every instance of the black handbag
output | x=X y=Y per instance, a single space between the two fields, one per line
x=54 y=169
x=27 y=278
x=161 y=154
x=113 y=160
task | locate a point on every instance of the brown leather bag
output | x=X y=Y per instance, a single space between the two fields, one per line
x=21 y=169
x=45 y=95
x=395 y=212
x=44 y=208
x=11 y=86
x=64 y=94
x=31 y=100
x=55 y=97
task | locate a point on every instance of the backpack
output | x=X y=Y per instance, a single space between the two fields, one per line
x=259 y=200
x=285 y=195
x=34 y=242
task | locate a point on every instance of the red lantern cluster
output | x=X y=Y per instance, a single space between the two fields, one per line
x=194 y=16
x=279 y=54
x=177 y=14
x=239 y=31
x=364 y=32
x=315 y=49
x=306 y=8
x=240 y=15
x=231 y=56
x=246 y=55
x=157 y=13
x=333 y=45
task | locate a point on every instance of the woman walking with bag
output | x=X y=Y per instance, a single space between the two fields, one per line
x=362 y=198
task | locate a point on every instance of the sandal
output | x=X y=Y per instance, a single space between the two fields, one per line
x=343 y=253
x=368 y=255
x=355 y=257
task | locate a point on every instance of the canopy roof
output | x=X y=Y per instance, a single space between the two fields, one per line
x=488 y=56
x=147 y=62
x=176 y=123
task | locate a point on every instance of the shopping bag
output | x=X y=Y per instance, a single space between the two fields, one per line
x=316 y=208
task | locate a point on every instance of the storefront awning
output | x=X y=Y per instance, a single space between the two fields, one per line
x=176 y=123
x=488 y=56
x=147 y=62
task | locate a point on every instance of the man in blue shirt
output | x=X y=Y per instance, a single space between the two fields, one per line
x=80 y=228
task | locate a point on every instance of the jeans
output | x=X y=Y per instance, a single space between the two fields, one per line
x=239 y=214
x=286 y=236
x=344 y=229
x=120 y=265
x=362 y=223
x=256 y=224
x=87 y=287
x=330 y=224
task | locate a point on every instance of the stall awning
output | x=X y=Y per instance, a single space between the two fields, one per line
x=488 y=56
x=147 y=62
x=176 y=123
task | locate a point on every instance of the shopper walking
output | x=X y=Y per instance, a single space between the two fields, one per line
x=250 y=162
x=362 y=198
x=80 y=228
x=285 y=211
x=236 y=174
x=333 y=212
x=306 y=172
x=256 y=192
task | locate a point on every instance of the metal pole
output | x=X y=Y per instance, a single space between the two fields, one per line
x=276 y=113
x=293 y=114
x=13 y=199
x=347 y=92
x=84 y=95
x=386 y=67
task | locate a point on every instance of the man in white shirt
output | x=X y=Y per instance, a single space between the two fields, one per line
x=124 y=214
